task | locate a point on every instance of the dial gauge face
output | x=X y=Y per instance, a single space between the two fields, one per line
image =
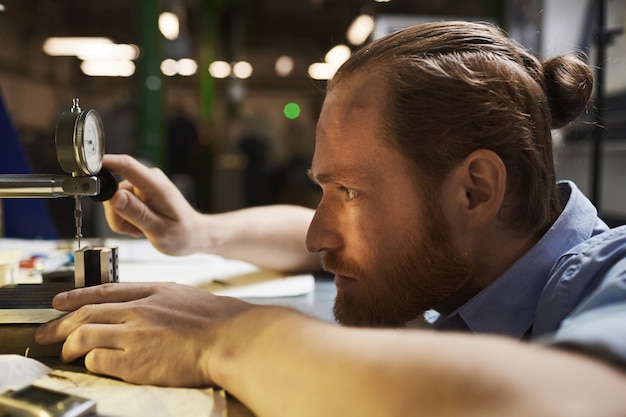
x=90 y=142
x=80 y=142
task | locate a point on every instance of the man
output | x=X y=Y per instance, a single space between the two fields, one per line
x=433 y=153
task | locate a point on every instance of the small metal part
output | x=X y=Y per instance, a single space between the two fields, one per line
x=75 y=106
x=82 y=186
x=95 y=266
x=78 y=217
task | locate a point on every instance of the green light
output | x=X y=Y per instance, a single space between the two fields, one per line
x=291 y=110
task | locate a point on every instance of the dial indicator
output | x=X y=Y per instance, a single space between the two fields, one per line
x=79 y=141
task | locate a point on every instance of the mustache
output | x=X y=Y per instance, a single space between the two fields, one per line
x=332 y=262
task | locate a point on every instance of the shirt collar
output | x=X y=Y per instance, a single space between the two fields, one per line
x=507 y=306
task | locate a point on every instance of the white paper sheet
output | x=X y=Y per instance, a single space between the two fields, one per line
x=140 y=262
x=114 y=398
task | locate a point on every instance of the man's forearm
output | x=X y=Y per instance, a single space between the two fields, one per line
x=271 y=237
x=280 y=363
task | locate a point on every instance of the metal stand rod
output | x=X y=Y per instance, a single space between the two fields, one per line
x=48 y=186
x=604 y=36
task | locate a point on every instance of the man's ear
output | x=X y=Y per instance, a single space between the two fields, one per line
x=478 y=185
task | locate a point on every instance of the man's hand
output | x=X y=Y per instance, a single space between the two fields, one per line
x=149 y=204
x=160 y=334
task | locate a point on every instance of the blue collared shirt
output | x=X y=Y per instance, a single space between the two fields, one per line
x=508 y=306
x=584 y=302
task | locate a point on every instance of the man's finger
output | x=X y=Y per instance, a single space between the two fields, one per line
x=109 y=361
x=133 y=171
x=100 y=294
x=134 y=211
x=58 y=330
x=113 y=211
x=87 y=338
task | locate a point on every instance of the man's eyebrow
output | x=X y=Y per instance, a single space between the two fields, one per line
x=324 y=178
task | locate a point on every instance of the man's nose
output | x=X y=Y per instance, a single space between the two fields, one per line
x=324 y=233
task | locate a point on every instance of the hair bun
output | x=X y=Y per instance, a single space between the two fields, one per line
x=569 y=84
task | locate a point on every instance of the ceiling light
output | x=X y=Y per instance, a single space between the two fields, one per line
x=169 y=67
x=338 y=55
x=360 y=29
x=112 y=68
x=322 y=70
x=108 y=51
x=242 y=69
x=168 y=25
x=333 y=60
x=284 y=66
x=187 y=67
x=70 y=46
x=219 y=69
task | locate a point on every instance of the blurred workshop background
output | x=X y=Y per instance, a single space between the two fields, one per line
x=223 y=95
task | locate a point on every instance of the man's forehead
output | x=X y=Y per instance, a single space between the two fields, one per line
x=358 y=158
x=358 y=92
x=350 y=134
x=352 y=105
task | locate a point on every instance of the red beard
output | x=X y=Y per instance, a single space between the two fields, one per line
x=422 y=271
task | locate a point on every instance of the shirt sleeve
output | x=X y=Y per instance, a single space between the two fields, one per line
x=598 y=324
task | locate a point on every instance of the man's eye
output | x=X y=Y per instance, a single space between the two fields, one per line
x=350 y=193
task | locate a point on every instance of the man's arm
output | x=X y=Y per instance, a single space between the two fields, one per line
x=149 y=204
x=268 y=236
x=280 y=362
x=298 y=366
